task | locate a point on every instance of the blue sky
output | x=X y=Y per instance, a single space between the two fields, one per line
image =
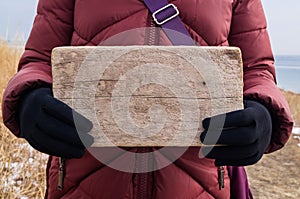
x=16 y=17
x=283 y=17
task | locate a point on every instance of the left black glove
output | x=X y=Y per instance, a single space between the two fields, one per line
x=244 y=136
x=50 y=126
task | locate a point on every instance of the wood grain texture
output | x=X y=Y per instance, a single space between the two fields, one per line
x=148 y=95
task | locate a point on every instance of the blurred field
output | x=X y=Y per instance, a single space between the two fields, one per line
x=277 y=175
x=22 y=169
x=8 y=61
x=294 y=102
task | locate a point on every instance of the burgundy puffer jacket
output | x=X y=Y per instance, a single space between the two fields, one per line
x=89 y=22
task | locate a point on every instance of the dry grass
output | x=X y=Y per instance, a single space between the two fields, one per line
x=277 y=174
x=22 y=169
x=8 y=61
x=294 y=102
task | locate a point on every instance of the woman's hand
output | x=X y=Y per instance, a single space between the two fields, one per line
x=52 y=127
x=244 y=136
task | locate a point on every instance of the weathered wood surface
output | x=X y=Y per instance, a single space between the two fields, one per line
x=146 y=95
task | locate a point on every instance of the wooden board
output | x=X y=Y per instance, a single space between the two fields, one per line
x=148 y=95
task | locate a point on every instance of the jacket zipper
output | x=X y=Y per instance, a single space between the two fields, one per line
x=144 y=188
x=151 y=32
x=61 y=173
x=145 y=180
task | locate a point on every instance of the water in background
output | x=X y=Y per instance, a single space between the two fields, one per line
x=288 y=72
x=288 y=78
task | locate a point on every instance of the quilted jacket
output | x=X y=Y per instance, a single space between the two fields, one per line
x=238 y=23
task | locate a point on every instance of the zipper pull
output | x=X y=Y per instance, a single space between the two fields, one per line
x=221 y=173
x=61 y=173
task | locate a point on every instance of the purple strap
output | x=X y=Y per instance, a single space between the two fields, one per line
x=239 y=187
x=174 y=28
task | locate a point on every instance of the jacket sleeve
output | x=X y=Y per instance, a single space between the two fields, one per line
x=53 y=26
x=249 y=33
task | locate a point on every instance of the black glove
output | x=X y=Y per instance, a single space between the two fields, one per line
x=244 y=137
x=48 y=125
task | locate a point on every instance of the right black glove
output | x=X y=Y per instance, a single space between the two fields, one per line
x=245 y=135
x=48 y=125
